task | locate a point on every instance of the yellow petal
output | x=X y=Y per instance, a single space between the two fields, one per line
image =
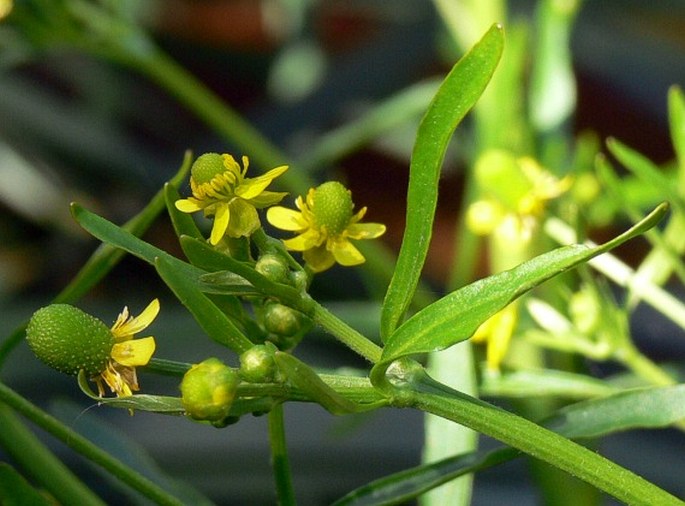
x=286 y=219
x=346 y=254
x=365 y=230
x=189 y=205
x=231 y=165
x=307 y=240
x=319 y=258
x=125 y=328
x=135 y=352
x=254 y=186
x=221 y=218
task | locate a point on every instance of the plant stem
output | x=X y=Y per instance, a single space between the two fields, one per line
x=25 y=448
x=536 y=441
x=346 y=334
x=86 y=448
x=644 y=367
x=279 y=457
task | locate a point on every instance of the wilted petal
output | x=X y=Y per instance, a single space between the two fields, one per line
x=125 y=328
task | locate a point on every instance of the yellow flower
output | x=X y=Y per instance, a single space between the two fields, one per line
x=127 y=353
x=325 y=224
x=497 y=331
x=220 y=189
x=515 y=193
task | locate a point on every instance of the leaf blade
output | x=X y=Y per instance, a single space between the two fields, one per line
x=456 y=96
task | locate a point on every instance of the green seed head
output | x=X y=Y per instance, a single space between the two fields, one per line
x=208 y=389
x=332 y=207
x=206 y=167
x=67 y=339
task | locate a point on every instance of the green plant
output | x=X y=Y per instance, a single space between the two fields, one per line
x=250 y=295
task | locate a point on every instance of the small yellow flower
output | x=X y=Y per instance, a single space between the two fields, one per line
x=515 y=193
x=325 y=224
x=127 y=353
x=220 y=189
x=497 y=331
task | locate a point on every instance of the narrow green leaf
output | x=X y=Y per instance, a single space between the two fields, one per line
x=676 y=117
x=631 y=409
x=456 y=316
x=183 y=223
x=226 y=282
x=642 y=408
x=202 y=254
x=545 y=382
x=112 y=234
x=15 y=490
x=647 y=171
x=301 y=376
x=213 y=321
x=406 y=485
x=456 y=96
x=141 y=402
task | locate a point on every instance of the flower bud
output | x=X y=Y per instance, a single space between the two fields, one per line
x=332 y=207
x=257 y=365
x=206 y=167
x=208 y=389
x=274 y=268
x=67 y=339
x=282 y=320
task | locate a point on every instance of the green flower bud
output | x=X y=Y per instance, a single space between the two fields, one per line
x=282 y=320
x=208 y=389
x=257 y=365
x=273 y=267
x=300 y=280
x=332 y=207
x=206 y=167
x=67 y=339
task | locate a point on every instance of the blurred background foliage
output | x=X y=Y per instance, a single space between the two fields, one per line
x=76 y=127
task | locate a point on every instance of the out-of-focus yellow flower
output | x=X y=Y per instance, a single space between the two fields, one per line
x=325 y=223
x=220 y=189
x=496 y=332
x=5 y=8
x=515 y=192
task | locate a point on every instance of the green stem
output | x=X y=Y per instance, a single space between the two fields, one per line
x=346 y=334
x=643 y=366
x=86 y=448
x=25 y=448
x=426 y=394
x=279 y=457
